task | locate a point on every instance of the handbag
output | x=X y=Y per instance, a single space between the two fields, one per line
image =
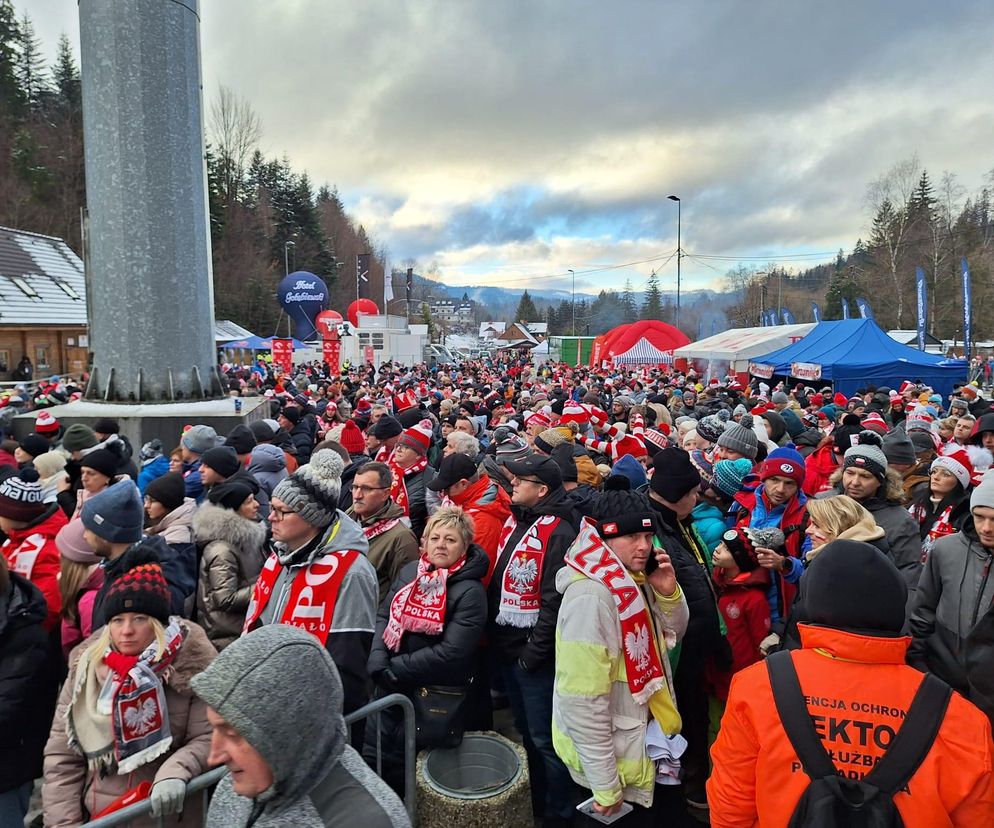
x=439 y=716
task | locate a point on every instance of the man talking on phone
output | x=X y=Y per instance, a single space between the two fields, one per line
x=622 y=611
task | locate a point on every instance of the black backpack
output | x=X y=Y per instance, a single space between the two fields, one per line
x=832 y=800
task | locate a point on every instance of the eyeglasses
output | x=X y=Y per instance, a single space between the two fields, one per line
x=280 y=513
x=530 y=480
x=365 y=490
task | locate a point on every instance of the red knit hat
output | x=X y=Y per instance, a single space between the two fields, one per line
x=627 y=445
x=840 y=399
x=140 y=588
x=958 y=464
x=817 y=400
x=573 y=412
x=874 y=422
x=538 y=418
x=351 y=438
x=46 y=424
x=417 y=437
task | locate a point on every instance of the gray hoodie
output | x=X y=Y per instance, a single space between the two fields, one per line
x=354 y=619
x=273 y=685
x=267 y=464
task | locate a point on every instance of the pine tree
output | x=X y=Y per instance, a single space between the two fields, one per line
x=526 y=312
x=653 y=307
x=11 y=93
x=31 y=66
x=65 y=76
x=631 y=312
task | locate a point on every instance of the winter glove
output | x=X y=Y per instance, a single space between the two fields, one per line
x=167 y=797
x=769 y=643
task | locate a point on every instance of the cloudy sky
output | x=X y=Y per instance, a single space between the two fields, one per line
x=511 y=141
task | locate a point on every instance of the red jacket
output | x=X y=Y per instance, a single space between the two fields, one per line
x=746 y=611
x=818 y=467
x=857 y=689
x=489 y=506
x=32 y=553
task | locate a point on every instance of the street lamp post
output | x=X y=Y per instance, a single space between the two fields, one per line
x=286 y=256
x=573 y=327
x=679 y=256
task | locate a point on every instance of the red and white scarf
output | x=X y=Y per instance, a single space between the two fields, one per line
x=420 y=606
x=595 y=559
x=521 y=585
x=398 y=489
x=130 y=706
x=374 y=530
x=313 y=592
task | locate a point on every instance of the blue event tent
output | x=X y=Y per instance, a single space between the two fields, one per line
x=853 y=353
x=257 y=343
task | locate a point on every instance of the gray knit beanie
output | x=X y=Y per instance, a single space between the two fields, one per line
x=867 y=454
x=199 y=438
x=740 y=437
x=983 y=495
x=312 y=491
x=779 y=398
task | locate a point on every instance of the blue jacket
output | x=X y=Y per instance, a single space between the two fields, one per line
x=192 y=481
x=151 y=470
x=710 y=524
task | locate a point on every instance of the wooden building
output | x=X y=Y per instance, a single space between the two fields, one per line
x=42 y=305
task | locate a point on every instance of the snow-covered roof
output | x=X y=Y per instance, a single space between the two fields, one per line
x=497 y=327
x=41 y=280
x=225 y=331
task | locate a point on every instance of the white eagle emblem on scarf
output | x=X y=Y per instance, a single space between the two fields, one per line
x=522 y=573
x=431 y=590
x=140 y=718
x=637 y=646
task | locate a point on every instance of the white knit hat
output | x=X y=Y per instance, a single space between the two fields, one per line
x=958 y=464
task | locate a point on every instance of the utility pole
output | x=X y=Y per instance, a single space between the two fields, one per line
x=679 y=255
x=572 y=329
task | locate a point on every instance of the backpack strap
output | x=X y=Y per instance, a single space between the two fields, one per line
x=914 y=738
x=794 y=716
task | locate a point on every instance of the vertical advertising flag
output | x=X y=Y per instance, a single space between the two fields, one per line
x=332 y=352
x=788 y=317
x=362 y=276
x=845 y=308
x=282 y=351
x=815 y=312
x=967 y=310
x=865 y=311
x=922 y=303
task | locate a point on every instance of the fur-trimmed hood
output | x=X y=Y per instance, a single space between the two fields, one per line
x=213 y=523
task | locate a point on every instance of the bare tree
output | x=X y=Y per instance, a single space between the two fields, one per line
x=235 y=130
x=888 y=198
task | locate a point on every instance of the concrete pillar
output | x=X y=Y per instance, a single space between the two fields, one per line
x=151 y=294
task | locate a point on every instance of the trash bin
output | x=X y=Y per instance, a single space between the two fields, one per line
x=483 y=783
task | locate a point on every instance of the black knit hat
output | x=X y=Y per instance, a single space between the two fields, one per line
x=874 y=596
x=386 y=427
x=674 y=475
x=291 y=413
x=102 y=460
x=844 y=437
x=563 y=455
x=230 y=495
x=223 y=459
x=141 y=586
x=34 y=444
x=620 y=512
x=241 y=439
x=169 y=490
x=106 y=425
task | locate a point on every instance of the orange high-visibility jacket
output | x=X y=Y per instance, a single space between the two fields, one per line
x=858 y=690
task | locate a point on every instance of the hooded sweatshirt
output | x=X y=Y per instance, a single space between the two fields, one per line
x=266 y=679
x=267 y=464
x=354 y=618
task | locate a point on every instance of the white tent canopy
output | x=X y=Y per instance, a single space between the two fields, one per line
x=643 y=352
x=738 y=345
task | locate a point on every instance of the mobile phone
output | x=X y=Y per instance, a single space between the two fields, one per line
x=587 y=809
x=652 y=564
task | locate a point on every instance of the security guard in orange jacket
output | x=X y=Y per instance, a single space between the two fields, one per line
x=857 y=689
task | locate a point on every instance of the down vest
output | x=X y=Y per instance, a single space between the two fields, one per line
x=230 y=564
x=72 y=792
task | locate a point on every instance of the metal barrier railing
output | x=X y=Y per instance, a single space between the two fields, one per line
x=203 y=783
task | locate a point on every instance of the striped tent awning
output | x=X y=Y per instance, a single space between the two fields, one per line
x=643 y=352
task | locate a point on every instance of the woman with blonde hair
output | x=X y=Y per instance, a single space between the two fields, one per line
x=428 y=633
x=127 y=714
x=829 y=519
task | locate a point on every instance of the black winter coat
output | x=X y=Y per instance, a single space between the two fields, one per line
x=348 y=475
x=703 y=638
x=449 y=658
x=536 y=646
x=29 y=683
x=416 y=493
x=303 y=441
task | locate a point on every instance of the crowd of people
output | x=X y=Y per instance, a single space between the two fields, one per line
x=641 y=565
